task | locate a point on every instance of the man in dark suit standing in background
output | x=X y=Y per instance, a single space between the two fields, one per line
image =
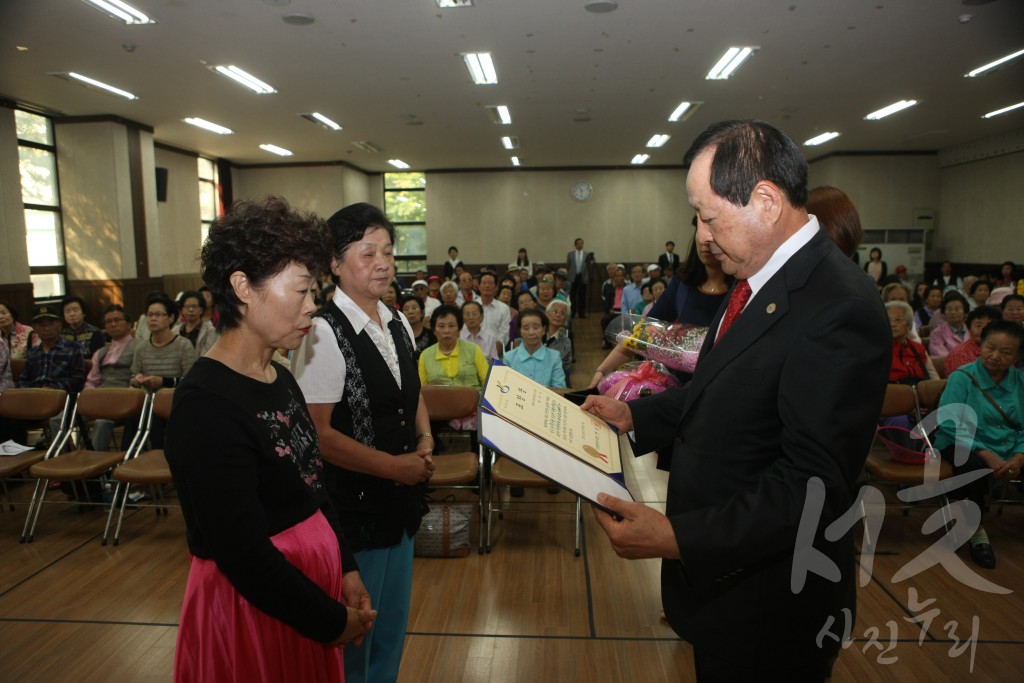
x=772 y=431
x=578 y=263
x=670 y=259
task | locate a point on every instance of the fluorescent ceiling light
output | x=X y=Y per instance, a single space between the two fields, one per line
x=515 y=161
x=452 y=4
x=684 y=111
x=821 y=139
x=997 y=112
x=96 y=85
x=481 y=68
x=658 y=140
x=992 y=65
x=366 y=146
x=729 y=62
x=891 y=109
x=121 y=10
x=274 y=149
x=321 y=120
x=398 y=163
x=510 y=142
x=640 y=158
x=501 y=114
x=244 y=78
x=209 y=125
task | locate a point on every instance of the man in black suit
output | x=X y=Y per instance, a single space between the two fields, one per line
x=670 y=259
x=772 y=430
x=578 y=265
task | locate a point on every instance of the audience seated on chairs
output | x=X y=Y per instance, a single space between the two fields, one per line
x=496 y=313
x=452 y=361
x=18 y=337
x=613 y=296
x=111 y=367
x=557 y=336
x=532 y=358
x=994 y=390
x=449 y=292
x=472 y=329
x=970 y=349
x=910 y=360
x=951 y=332
x=506 y=295
x=979 y=291
x=930 y=303
x=412 y=308
x=55 y=364
x=199 y=332
x=77 y=330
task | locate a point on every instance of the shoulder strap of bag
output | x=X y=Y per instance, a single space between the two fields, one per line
x=1009 y=421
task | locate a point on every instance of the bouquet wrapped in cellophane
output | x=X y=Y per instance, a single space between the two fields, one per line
x=637 y=379
x=674 y=345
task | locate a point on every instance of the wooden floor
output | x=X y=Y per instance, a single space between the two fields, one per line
x=73 y=610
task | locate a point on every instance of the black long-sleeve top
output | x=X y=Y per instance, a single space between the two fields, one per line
x=246 y=463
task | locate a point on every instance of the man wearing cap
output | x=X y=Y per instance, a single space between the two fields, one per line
x=901 y=277
x=653 y=273
x=434 y=287
x=55 y=363
x=420 y=289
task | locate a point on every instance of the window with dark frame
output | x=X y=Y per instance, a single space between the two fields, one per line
x=405 y=204
x=207 y=196
x=40 y=193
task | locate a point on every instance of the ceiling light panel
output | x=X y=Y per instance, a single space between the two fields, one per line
x=321 y=120
x=208 y=125
x=684 y=111
x=516 y=162
x=729 y=62
x=639 y=159
x=891 y=109
x=1001 y=62
x=454 y=4
x=244 y=78
x=510 y=142
x=398 y=163
x=997 y=112
x=658 y=140
x=93 y=84
x=821 y=139
x=481 y=68
x=499 y=114
x=274 y=149
x=121 y=11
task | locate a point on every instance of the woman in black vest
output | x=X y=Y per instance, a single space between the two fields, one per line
x=358 y=373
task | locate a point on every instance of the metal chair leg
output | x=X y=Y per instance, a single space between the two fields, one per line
x=31 y=507
x=579 y=523
x=120 y=516
x=110 y=515
x=39 y=508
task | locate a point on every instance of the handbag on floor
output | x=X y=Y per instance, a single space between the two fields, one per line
x=444 y=531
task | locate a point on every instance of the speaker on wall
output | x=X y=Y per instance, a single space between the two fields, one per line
x=161 y=184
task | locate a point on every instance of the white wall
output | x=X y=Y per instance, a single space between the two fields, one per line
x=13 y=247
x=95 y=190
x=175 y=240
x=319 y=189
x=489 y=216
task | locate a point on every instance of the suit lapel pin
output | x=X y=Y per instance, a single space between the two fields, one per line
x=769 y=309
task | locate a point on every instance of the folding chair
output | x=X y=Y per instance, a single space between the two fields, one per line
x=902 y=399
x=35 y=405
x=147 y=468
x=506 y=472
x=81 y=464
x=457 y=470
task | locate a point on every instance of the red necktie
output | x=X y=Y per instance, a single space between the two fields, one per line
x=737 y=300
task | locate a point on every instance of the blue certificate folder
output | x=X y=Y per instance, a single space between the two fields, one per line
x=550 y=435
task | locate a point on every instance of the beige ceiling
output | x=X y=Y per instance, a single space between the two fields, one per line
x=390 y=72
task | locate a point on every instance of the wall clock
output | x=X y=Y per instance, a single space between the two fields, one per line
x=581 y=190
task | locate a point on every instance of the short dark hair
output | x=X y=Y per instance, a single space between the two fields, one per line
x=485 y=273
x=192 y=294
x=1004 y=327
x=74 y=299
x=10 y=309
x=474 y=302
x=446 y=310
x=1011 y=297
x=950 y=297
x=537 y=313
x=260 y=239
x=169 y=306
x=990 y=312
x=747 y=152
x=670 y=242
x=114 y=308
x=348 y=225
x=515 y=300
x=453 y=247
x=978 y=283
x=410 y=297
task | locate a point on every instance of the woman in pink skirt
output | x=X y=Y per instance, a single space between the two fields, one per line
x=273 y=592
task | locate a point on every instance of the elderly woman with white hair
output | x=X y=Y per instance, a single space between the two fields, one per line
x=910 y=361
x=557 y=337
